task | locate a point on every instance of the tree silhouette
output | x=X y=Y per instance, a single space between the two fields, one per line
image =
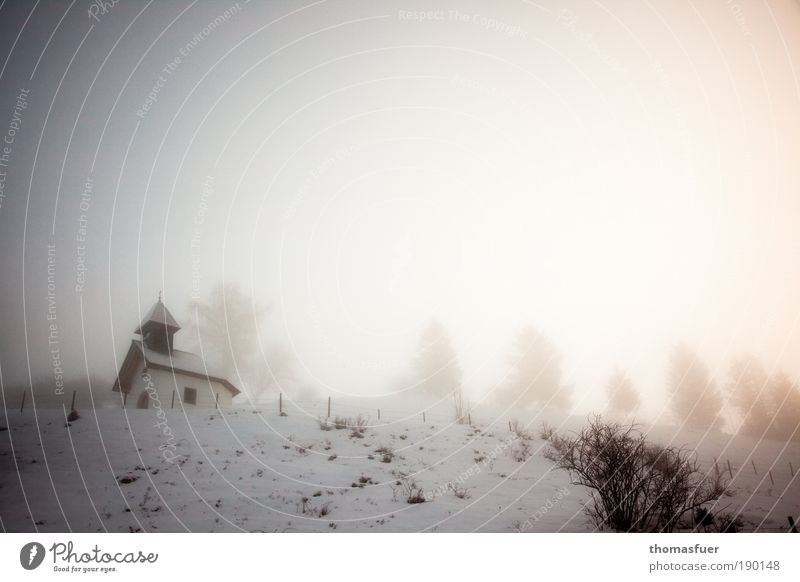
x=536 y=371
x=783 y=400
x=228 y=330
x=435 y=366
x=767 y=405
x=622 y=398
x=747 y=390
x=694 y=398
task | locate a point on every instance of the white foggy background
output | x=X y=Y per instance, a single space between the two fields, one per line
x=621 y=175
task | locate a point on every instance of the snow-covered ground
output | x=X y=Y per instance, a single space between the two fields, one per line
x=254 y=470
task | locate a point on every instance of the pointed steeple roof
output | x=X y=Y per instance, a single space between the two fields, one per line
x=160 y=315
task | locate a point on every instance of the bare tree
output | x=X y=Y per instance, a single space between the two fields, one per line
x=536 y=371
x=623 y=400
x=636 y=485
x=694 y=398
x=228 y=329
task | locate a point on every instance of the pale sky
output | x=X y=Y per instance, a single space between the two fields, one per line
x=623 y=175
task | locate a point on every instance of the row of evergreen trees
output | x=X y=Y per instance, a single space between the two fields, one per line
x=753 y=401
x=757 y=402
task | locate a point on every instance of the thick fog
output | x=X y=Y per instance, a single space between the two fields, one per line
x=623 y=177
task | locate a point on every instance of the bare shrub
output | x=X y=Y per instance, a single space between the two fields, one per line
x=412 y=492
x=459 y=491
x=387 y=454
x=546 y=432
x=363 y=481
x=520 y=431
x=520 y=451
x=720 y=522
x=703 y=519
x=729 y=523
x=357 y=426
x=359 y=423
x=636 y=485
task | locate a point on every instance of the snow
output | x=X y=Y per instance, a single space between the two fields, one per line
x=177 y=359
x=253 y=470
x=181 y=361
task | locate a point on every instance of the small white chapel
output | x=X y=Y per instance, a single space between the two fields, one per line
x=154 y=372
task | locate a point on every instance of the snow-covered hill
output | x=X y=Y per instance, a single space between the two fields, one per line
x=254 y=470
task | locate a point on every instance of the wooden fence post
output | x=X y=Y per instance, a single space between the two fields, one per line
x=72 y=406
x=280 y=403
x=754 y=466
x=125 y=400
x=329 y=406
x=216 y=401
x=423 y=416
x=792 y=525
x=173 y=399
x=730 y=471
x=22 y=406
x=379 y=414
x=771 y=480
x=469 y=418
x=791 y=469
